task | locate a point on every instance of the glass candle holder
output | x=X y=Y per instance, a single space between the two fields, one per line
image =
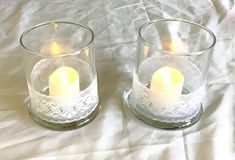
x=171 y=68
x=61 y=74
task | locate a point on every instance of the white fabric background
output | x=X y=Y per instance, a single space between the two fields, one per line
x=115 y=134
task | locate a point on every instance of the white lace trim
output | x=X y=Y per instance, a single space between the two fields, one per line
x=64 y=110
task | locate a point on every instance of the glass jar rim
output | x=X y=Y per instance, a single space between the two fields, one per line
x=77 y=51
x=176 y=53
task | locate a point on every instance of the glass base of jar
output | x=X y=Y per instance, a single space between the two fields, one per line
x=160 y=124
x=65 y=126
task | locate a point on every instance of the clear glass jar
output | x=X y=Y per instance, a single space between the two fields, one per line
x=171 y=68
x=61 y=74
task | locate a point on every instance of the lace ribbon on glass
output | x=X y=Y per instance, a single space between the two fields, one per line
x=64 y=109
x=142 y=99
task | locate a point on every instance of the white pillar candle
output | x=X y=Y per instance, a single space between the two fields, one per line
x=64 y=81
x=166 y=85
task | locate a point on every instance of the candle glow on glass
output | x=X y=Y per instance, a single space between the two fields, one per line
x=173 y=46
x=166 y=85
x=55 y=48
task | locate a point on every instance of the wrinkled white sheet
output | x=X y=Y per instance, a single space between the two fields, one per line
x=115 y=134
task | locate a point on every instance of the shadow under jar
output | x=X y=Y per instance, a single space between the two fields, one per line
x=171 y=68
x=61 y=75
